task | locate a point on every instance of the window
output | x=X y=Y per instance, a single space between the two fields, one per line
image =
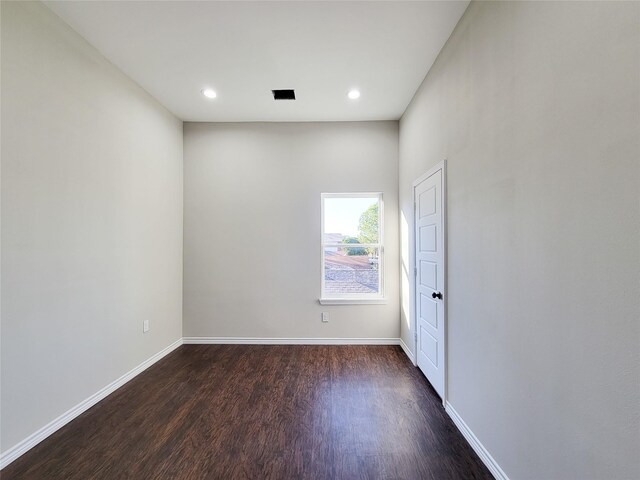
x=352 y=248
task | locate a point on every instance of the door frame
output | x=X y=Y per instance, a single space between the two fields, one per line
x=412 y=242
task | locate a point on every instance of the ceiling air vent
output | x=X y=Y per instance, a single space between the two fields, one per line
x=284 y=94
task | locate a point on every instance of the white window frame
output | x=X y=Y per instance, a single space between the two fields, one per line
x=351 y=298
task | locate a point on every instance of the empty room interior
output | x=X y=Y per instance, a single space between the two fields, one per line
x=320 y=240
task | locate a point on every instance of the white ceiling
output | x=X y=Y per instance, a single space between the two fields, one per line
x=242 y=50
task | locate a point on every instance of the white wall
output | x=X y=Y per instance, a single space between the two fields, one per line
x=536 y=106
x=91 y=221
x=252 y=226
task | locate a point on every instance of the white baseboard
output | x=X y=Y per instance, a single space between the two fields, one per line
x=32 y=440
x=482 y=452
x=291 y=341
x=408 y=352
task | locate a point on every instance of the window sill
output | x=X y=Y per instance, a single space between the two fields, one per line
x=353 y=301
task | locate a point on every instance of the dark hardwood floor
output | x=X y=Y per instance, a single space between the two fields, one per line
x=262 y=412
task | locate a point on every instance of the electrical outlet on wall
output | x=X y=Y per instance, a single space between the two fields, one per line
x=145 y=326
x=324 y=316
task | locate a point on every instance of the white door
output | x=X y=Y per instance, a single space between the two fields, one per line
x=429 y=273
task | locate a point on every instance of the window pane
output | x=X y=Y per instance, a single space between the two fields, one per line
x=351 y=219
x=351 y=270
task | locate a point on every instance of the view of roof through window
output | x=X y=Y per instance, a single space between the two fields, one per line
x=351 y=246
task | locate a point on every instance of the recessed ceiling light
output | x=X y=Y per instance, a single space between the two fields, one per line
x=354 y=94
x=209 y=93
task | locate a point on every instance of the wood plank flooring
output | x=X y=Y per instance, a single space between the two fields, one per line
x=262 y=412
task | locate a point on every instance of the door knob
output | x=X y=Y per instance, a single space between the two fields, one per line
x=436 y=295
